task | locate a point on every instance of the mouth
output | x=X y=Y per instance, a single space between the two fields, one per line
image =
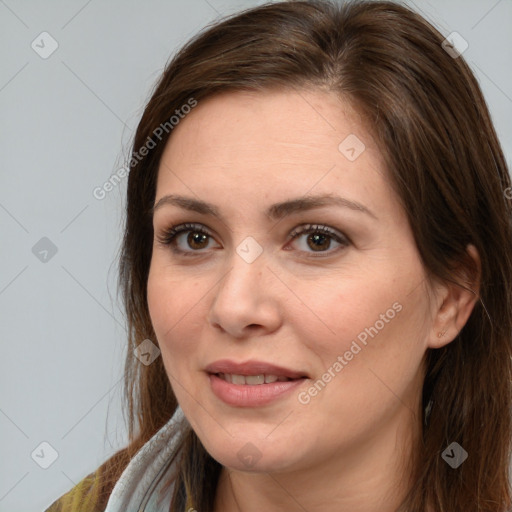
x=253 y=383
x=252 y=372
x=252 y=380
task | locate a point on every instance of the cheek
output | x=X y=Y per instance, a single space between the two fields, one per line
x=341 y=310
x=161 y=301
x=373 y=324
x=175 y=306
x=167 y=303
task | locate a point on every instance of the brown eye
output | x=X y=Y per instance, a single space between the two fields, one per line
x=318 y=242
x=197 y=240
x=314 y=238
x=187 y=239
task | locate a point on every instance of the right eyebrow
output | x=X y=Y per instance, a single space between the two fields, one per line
x=188 y=203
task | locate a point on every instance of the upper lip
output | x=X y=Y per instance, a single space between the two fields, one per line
x=252 y=368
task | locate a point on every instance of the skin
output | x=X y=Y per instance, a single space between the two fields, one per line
x=349 y=447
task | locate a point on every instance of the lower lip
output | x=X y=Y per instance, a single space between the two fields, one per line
x=246 y=395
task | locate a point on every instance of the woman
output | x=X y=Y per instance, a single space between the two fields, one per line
x=318 y=239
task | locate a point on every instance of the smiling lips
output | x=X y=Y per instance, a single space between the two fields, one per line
x=252 y=383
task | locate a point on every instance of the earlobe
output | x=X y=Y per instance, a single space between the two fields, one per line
x=456 y=304
x=441 y=334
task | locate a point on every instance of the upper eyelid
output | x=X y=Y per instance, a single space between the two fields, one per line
x=325 y=228
x=189 y=226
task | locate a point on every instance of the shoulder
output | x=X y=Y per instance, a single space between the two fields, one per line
x=83 y=497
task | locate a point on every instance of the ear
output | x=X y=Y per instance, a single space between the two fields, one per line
x=454 y=304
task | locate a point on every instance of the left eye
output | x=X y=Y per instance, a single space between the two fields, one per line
x=318 y=238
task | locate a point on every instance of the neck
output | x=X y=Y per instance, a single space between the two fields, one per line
x=371 y=478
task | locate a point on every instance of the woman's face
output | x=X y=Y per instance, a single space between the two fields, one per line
x=297 y=263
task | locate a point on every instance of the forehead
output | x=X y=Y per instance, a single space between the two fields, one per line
x=270 y=123
x=281 y=142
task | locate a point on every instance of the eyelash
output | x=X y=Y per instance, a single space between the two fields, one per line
x=168 y=237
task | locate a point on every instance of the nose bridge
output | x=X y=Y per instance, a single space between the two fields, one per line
x=244 y=277
x=243 y=296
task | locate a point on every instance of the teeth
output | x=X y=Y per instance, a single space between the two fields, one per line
x=251 y=380
x=237 y=379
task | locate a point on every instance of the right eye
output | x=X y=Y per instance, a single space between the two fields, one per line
x=186 y=239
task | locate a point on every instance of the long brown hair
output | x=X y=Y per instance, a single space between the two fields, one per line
x=445 y=162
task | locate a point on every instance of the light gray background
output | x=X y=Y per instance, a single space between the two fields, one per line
x=65 y=124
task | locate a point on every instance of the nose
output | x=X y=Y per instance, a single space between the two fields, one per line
x=246 y=301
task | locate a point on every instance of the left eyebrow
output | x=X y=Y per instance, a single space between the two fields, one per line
x=280 y=210
x=275 y=211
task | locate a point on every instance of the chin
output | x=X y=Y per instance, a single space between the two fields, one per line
x=252 y=453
